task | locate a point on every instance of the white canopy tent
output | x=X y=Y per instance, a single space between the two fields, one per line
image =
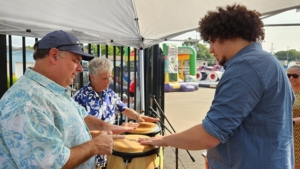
x=135 y=23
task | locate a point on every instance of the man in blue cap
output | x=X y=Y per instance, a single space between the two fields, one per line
x=40 y=124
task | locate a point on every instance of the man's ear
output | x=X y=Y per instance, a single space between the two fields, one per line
x=53 y=55
x=92 y=76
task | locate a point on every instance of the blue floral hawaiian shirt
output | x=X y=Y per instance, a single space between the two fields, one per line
x=102 y=105
x=39 y=123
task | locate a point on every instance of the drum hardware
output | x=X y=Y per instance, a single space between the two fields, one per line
x=127 y=157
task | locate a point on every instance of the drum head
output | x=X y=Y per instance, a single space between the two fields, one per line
x=146 y=128
x=130 y=144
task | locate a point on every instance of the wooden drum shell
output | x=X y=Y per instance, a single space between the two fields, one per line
x=129 y=150
x=152 y=131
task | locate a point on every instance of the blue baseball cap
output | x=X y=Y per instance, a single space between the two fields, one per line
x=64 y=41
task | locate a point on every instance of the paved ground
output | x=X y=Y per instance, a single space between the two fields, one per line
x=184 y=110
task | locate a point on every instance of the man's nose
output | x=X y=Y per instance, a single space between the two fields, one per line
x=211 y=49
x=79 y=67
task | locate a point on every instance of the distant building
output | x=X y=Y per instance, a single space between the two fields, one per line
x=17 y=62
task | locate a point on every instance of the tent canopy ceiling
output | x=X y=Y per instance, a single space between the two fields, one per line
x=135 y=23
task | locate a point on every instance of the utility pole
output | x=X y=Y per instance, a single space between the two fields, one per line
x=287 y=56
x=272 y=49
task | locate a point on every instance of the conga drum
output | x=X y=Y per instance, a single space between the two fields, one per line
x=151 y=130
x=128 y=153
x=146 y=128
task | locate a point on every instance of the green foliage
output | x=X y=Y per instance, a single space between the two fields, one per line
x=290 y=55
x=14 y=79
x=202 y=51
x=189 y=42
x=29 y=47
x=94 y=50
x=211 y=62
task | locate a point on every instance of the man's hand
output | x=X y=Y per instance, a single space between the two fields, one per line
x=131 y=124
x=142 y=118
x=155 y=141
x=206 y=162
x=96 y=124
x=121 y=129
x=104 y=143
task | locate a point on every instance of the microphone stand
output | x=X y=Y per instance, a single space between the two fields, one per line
x=162 y=113
x=176 y=149
x=156 y=114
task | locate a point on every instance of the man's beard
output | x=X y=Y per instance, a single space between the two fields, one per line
x=222 y=61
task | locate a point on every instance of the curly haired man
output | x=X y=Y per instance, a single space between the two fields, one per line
x=249 y=124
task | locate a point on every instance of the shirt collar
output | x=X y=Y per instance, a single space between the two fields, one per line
x=44 y=81
x=92 y=91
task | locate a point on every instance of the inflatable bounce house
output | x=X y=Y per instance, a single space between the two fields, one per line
x=178 y=78
x=209 y=76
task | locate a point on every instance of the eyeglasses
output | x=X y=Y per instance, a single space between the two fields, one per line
x=295 y=76
x=78 y=44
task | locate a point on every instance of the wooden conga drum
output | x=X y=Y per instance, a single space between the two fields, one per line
x=146 y=128
x=151 y=130
x=128 y=153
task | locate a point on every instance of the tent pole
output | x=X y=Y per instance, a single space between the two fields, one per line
x=141 y=80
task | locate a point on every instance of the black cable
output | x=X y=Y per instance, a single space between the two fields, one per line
x=162 y=113
x=153 y=111
x=176 y=152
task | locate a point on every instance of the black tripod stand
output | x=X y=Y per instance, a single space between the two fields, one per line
x=164 y=116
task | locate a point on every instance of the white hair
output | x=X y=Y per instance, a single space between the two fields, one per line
x=295 y=66
x=100 y=65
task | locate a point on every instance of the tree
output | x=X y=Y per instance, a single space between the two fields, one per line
x=29 y=47
x=94 y=50
x=202 y=50
x=290 y=55
x=190 y=42
x=203 y=53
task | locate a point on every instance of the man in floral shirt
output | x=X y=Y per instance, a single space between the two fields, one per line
x=102 y=102
x=41 y=126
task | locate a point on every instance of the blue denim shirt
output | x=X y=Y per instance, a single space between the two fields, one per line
x=39 y=123
x=252 y=114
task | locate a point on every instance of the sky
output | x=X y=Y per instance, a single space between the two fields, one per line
x=277 y=38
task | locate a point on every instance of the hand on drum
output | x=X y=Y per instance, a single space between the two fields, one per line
x=142 y=118
x=122 y=129
x=155 y=141
x=130 y=124
x=104 y=143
